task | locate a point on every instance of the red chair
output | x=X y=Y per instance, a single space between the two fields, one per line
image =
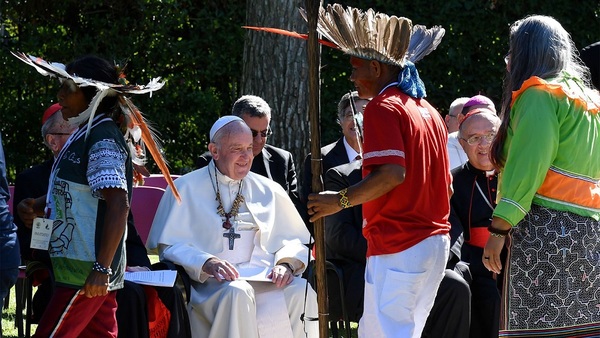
x=144 y=202
x=158 y=180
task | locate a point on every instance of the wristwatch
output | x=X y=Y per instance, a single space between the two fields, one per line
x=289 y=266
x=344 y=202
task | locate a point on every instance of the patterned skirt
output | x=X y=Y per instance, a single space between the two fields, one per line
x=552 y=284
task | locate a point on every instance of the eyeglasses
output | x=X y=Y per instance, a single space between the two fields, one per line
x=477 y=138
x=59 y=133
x=263 y=133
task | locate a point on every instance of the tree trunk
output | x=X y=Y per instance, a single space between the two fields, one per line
x=275 y=69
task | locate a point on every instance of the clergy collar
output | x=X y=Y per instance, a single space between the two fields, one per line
x=479 y=172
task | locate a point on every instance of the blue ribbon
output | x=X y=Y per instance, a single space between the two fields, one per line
x=410 y=83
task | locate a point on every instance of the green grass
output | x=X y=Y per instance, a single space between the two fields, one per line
x=8 y=319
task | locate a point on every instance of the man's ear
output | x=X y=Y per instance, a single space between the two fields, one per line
x=375 y=67
x=52 y=143
x=212 y=148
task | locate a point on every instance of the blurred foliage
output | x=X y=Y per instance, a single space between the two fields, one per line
x=470 y=59
x=197 y=47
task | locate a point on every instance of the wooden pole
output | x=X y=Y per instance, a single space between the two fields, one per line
x=314 y=65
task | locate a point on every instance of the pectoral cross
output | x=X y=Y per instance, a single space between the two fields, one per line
x=232 y=235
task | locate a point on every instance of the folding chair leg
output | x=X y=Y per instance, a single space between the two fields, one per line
x=6 y=301
x=20 y=297
x=29 y=306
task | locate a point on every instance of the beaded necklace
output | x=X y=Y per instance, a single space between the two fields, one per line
x=235 y=207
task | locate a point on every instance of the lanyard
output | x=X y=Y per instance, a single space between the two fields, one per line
x=80 y=132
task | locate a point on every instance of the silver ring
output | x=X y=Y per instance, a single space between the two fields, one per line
x=486 y=258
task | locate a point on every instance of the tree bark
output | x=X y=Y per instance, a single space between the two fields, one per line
x=275 y=69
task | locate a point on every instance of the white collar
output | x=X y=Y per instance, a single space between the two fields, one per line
x=350 y=151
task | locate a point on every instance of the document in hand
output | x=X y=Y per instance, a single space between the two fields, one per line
x=155 y=278
x=255 y=274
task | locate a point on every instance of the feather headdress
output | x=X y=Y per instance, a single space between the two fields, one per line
x=423 y=41
x=139 y=134
x=367 y=35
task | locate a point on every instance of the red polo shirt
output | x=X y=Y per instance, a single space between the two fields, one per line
x=409 y=132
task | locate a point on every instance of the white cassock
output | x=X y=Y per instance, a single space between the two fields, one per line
x=271 y=232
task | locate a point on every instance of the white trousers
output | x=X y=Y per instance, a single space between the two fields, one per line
x=228 y=309
x=400 y=289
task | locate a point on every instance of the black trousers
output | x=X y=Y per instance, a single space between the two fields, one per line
x=450 y=315
x=132 y=311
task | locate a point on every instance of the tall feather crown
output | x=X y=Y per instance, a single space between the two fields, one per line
x=367 y=35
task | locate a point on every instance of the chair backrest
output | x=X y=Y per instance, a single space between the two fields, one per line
x=158 y=180
x=144 y=202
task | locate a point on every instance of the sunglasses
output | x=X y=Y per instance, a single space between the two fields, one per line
x=263 y=133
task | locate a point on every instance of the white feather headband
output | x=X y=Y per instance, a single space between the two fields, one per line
x=139 y=134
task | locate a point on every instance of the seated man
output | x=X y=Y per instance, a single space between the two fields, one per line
x=345 y=245
x=269 y=161
x=33 y=182
x=347 y=148
x=455 y=151
x=231 y=222
x=472 y=204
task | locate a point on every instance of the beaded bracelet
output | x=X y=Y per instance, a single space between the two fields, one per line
x=99 y=268
x=497 y=235
x=497 y=232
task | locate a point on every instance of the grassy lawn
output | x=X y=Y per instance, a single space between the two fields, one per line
x=8 y=319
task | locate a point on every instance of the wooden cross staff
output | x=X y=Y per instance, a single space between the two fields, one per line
x=314 y=64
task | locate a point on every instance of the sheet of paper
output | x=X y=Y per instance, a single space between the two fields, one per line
x=155 y=278
x=255 y=274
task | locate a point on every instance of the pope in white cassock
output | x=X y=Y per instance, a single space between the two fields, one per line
x=239 y=237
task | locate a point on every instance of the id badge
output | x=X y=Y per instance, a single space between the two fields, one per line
x=40 y=233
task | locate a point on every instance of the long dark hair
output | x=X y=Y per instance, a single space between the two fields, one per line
x=539 y=46
x=95 y=68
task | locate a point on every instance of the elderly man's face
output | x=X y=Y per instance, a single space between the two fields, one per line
x=58 y=135
x=233 y=154
x=476 y=138
x=259 y=127
x=347 y=121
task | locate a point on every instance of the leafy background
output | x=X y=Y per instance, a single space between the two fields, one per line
x=197 y=47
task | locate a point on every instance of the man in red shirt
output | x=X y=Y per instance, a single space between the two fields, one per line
x=405 y=190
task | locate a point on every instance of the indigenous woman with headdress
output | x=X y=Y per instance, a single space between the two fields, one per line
x=547 y=149
x=87 y=203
